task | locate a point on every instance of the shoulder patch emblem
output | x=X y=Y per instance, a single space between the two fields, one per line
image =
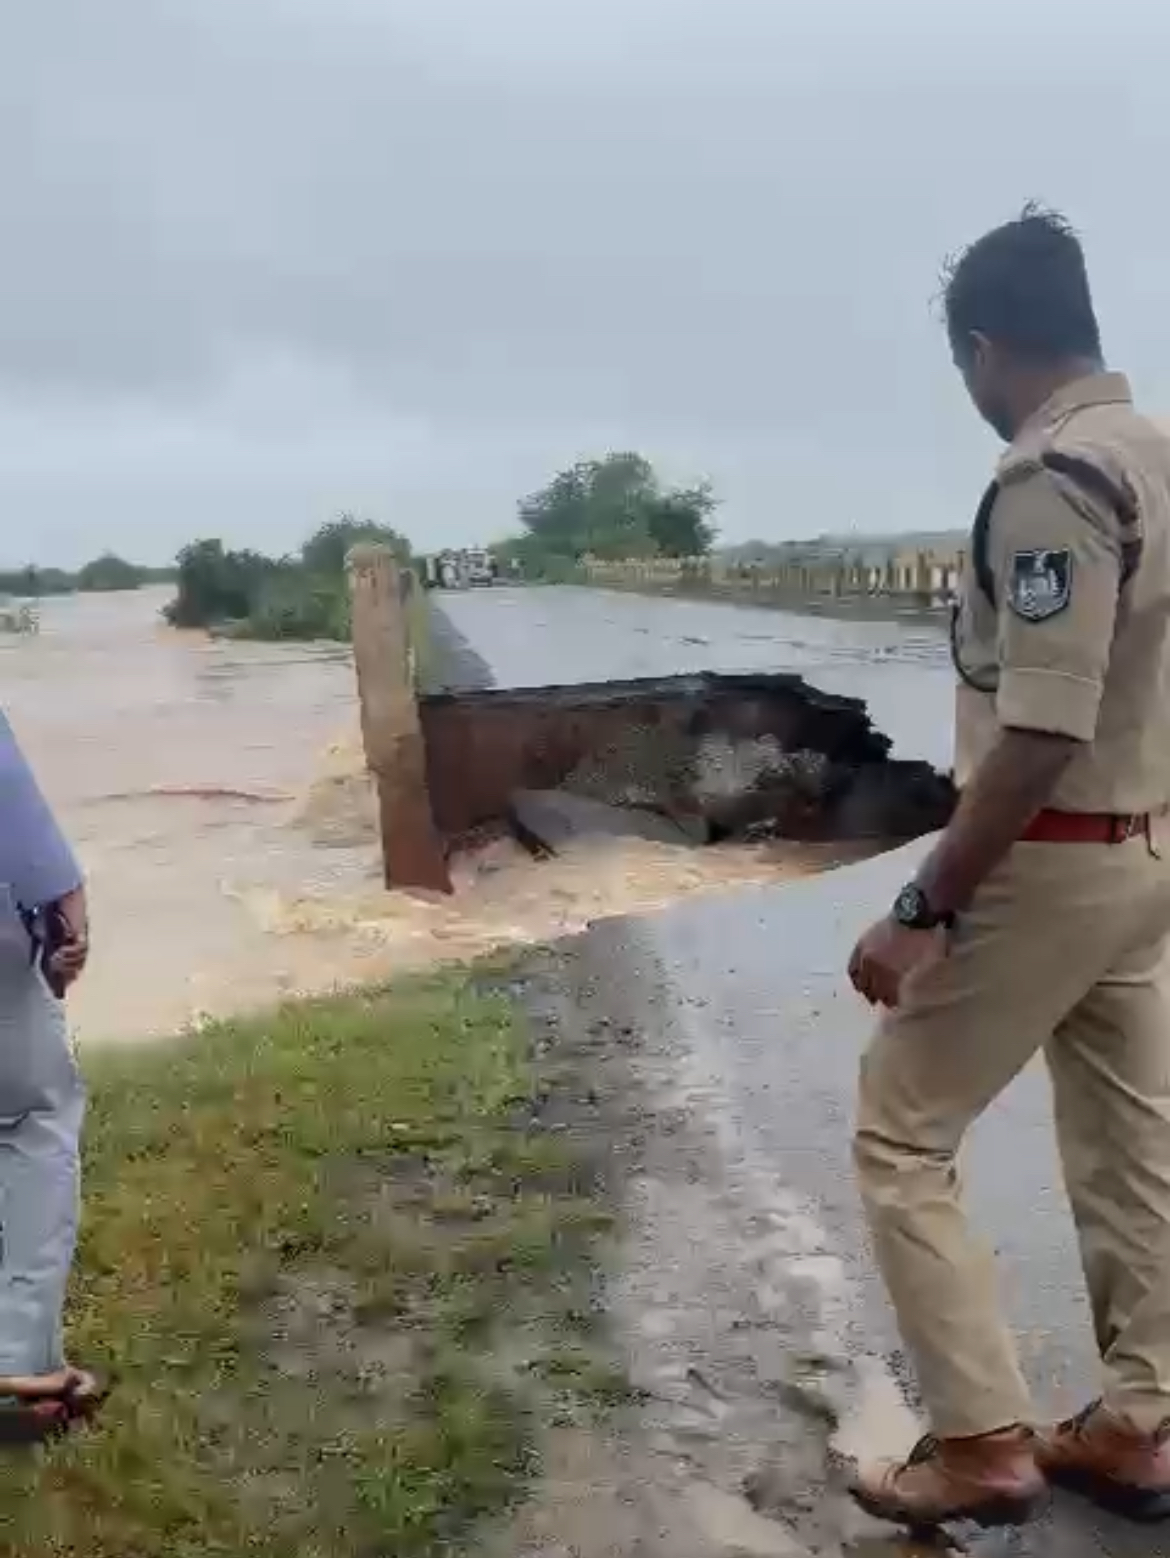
x=1040 y=585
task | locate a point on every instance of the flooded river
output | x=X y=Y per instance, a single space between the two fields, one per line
x=216 y=795
x=177 y=766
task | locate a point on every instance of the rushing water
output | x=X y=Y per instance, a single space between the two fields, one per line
x=178 y=767
x=216 y=794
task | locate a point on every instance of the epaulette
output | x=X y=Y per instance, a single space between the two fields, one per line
x=1080 y=472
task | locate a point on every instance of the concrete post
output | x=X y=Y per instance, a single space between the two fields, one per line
x=412 y=852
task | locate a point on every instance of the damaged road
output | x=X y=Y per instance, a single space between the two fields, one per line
x=537 y=637
x=719 y=752
x=746 y=1304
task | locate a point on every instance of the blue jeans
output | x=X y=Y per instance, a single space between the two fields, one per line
x=42 y=1107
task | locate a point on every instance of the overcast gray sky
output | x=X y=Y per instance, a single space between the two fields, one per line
x=261 y=260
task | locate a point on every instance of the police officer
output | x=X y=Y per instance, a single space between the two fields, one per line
x=1041 y=918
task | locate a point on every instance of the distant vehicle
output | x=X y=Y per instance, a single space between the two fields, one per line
x=481 y=567
x=460 y=570
x=18 y=616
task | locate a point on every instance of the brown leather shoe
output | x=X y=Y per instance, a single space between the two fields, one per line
x=992 y=1480
x=1107 y=1459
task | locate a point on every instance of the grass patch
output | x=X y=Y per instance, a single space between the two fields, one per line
x=326 y=1253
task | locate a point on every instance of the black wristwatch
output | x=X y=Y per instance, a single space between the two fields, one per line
x=912 y=910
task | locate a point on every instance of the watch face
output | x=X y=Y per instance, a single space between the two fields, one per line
x=911 y=908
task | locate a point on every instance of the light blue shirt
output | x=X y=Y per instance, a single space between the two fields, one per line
x=36 y=863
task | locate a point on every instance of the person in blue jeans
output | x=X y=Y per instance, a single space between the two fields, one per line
x=44 y=946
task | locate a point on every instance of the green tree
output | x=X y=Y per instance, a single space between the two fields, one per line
x=682 y=522
x=247 y=595
x=293 y=604
x=216 y=585
x=325 y=551
x=616 y=508
x=35 y=582
x=109 y=572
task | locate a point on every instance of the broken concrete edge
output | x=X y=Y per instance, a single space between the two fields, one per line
x=689 y=684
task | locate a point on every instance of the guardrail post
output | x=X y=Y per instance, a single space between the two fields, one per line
x=412 y=852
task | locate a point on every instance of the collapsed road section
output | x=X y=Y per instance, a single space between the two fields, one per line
x=701 y=759
x=695 y=759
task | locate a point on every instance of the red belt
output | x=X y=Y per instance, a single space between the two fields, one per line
x=1085 y=827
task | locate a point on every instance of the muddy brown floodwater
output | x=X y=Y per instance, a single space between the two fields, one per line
x=217 y=797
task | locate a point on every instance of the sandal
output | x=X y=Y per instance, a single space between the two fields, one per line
x=37 y=1415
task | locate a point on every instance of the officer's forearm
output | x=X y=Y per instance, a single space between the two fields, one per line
x=1011 y=786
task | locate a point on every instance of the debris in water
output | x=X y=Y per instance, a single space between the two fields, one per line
x=548 y=821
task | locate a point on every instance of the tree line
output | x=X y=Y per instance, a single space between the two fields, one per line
x=246 y=594
x=614 y=507
x=105 y=573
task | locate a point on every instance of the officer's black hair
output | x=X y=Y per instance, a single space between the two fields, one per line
x=1024 y=286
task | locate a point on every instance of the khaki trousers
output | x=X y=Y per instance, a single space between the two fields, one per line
x=1063 y=950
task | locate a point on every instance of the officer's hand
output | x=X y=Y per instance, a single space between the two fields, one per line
x=886 y=955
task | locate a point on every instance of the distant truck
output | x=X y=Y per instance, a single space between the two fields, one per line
x=481 y=567
x=460 y=570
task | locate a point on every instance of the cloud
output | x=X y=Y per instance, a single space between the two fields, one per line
x=264 y=260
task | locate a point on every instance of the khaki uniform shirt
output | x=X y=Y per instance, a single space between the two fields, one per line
x=1071 y=647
